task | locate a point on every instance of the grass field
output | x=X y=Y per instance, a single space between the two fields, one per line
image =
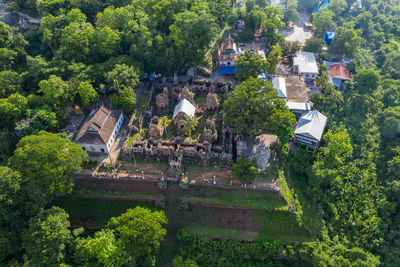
x=234 y=197
x=220 y=233
x=280 y=225
x=94 y=212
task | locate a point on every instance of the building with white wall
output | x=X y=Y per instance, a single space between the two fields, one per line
x=98 y=133
x=305 y=64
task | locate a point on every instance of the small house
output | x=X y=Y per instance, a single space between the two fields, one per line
x=339 y=74
x=304 y=63
x=310 y=128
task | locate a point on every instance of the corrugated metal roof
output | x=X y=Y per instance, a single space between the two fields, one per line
x=279 y=84
x=186 y=107
x=227 y=70
x=306 y=62
x=298 y=106
x=311 y=124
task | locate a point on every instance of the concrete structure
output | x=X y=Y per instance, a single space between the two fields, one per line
x=100 y=130
x=310 y=128
x=305 y=64
x=258 y=148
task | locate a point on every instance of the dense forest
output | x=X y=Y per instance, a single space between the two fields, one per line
x=347 y=194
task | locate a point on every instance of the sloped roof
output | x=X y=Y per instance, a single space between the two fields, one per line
x=298 y=106
x=311 y=124
x=339 y=71
x=306 y=62
x=186 y=107
x=279 y=84
x=99 y=127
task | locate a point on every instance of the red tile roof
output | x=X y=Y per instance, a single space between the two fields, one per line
x=339 y=71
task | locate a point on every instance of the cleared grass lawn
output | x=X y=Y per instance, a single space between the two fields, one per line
x=280 y=225
x=220 y=233
x=95 y=212
x=235 y=197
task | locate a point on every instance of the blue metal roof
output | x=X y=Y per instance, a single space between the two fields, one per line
x=227 y=70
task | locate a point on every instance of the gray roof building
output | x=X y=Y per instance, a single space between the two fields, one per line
x=310 y=128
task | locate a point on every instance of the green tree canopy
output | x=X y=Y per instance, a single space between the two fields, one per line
x=323 y=20
x=249 y=65
x=254 y=106
x=49 y=160
x=122 y=75
x=126 y=99
x=245 y=169
x=338 y=6
x=140 y=232
x=87 y=93
x=48 y=237
x=101 y=250
x=56 y=92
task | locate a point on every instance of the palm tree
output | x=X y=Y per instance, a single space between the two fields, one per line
x=190 y=124
x=165 y=122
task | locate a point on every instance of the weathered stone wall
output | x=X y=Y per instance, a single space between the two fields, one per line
x=87 y=182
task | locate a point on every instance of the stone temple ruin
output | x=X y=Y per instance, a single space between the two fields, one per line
x=208 y=143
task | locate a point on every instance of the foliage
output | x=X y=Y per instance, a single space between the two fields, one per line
x=49 y=160
x=337 y=6
x=140 y=231
x=101 y=250
x=47 y=238
x=190 y=124
x=126 y=99
x=346 y=42
x=245 y=169
x=291 y=13
x=122 y=75
x=87 y=93
x=249 y=65
x=254 y=106
x=309 y=5
x=323 y=20
x=314 y=45
x=272 y=23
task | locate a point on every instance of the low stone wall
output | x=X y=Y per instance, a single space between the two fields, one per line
x=84 y=182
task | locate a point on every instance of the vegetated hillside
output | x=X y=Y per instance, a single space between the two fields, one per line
x=346 y=194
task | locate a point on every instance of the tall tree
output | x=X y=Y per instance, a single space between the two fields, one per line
x=140 y=232
x=87 y=93
x=323 y=20
x=47 y=237
x=254 y=106
x=249 y=65
x=49 y=160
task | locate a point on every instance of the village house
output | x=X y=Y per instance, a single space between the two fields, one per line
x=183 y=109
x=305 y=64
x=338 y=73
x=98 y=133
x=310 y=128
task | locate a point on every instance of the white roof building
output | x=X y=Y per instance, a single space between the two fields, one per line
x=186 y=107
x=280 y=85
x=296 y=106
x=306 y=65
x=310 y=128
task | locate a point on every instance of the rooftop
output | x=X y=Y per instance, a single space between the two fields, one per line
x=306 y=62
x=279 y=84
x=311 y=124
x=186 y=107
x=99 y=127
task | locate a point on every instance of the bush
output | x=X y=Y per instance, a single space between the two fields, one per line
x=245 y=169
